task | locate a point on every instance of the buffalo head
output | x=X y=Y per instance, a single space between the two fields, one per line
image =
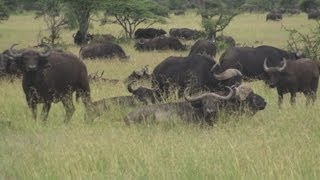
x=30 y=60
x=274 y=73
x=245 y=96
x=207 y=102
x=142 y=73
x=145 y=95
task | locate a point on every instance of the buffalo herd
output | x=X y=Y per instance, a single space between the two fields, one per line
x=202 y=86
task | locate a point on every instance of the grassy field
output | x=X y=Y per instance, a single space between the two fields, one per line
x=273 y=144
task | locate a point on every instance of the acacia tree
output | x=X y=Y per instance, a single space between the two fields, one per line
x=80 y=12
x=53 y=14
x=129 y=14
x=216 y=15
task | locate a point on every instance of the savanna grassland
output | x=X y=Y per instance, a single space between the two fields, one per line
x=273 y=144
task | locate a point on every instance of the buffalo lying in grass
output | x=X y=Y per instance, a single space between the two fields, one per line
x=199 y=109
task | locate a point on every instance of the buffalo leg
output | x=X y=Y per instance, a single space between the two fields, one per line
x=293 y=98
x=310 y=96
x=69 y=107
x=280 y=98
x=33 y=106
x=45 y=111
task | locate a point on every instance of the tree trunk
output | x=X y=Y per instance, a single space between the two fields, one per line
x=83 y=21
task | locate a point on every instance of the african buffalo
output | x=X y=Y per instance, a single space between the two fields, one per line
x=227 y=40
x=185 y=33
x=80 y=39
x=274 y=16
x=301 y=75
x=105 y=50
x=196 y=71
x=148 y=33
x=52 y=77
x=204 y=47
x=101 y=38
x=250 y=60
x=200 y=109
x=159 y=43
x=314 y=15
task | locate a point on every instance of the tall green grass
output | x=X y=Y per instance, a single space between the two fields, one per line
x=273 y=144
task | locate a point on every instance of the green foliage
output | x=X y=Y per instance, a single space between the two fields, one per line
x=53 y=13
x=307 y=5
x=217 y=15
x=4 y=11
x=308 y=43
x=129 y=14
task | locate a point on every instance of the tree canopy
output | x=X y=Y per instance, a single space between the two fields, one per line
x=129 y=14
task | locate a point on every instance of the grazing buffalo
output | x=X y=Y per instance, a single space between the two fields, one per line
x=105 y=50
x=250 y=60
x=52 y=77
x=159 y=43
x=274 y=16
x=204 y=47
x=149 y=33
x=314 y=15
x=301 y=75
x=185 y=33
x=196 y=71
x=202 y=108
x=227 y=40
x=101 y=38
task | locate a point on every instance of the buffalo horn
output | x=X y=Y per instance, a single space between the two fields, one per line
x=129 y=87
x=265 y=66
x=227 y=74
x=214 y=67
x=46 y=53
x=14 y=54
x=197 y=98
x=141 y=41
x=279 y=69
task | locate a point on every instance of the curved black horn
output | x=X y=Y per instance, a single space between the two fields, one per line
x=13 y=54
x=47 y=53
